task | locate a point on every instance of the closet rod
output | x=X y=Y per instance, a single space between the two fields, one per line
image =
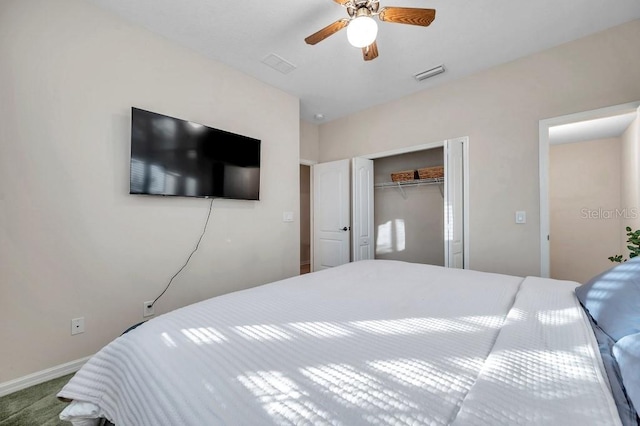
x=417 y=182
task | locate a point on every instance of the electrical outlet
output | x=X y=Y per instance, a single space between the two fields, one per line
x=77 y=326
x=147 y=309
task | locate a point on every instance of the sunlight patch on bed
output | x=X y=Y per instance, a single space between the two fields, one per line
x=416 y=326
x=566 y=367
x=430 y=377
x=270 y=386
x=566 y=363
x=262 y=332
x=168 y=340
x=280 y=397
x=559 y=316
x=353 y=388
x=204 y=336
x=409 y=372
x=490 y=321
x=320 y=329
x=469 y=363
x=517 y=314
x=413 y=418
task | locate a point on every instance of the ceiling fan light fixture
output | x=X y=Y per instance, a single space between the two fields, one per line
x=362 y=31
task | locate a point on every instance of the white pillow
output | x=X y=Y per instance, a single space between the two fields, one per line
x=81 y=413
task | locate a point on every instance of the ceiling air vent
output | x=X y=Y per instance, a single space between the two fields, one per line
x=429 y=73
x=278 y=63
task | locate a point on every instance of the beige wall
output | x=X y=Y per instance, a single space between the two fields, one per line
x=73 y=242
x=309 y=141
x=630 y=180
x=584 y=207
x=499 y=110
x=409 y=225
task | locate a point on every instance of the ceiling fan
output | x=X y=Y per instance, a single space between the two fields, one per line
x=362 y=28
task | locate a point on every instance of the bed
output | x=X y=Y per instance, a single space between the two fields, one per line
x=370 y=342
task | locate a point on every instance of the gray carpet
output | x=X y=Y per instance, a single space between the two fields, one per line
x=34 y=406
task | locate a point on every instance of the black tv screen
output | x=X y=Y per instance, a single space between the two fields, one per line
x=170 y=156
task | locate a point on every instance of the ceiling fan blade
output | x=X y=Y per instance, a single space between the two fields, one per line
x=408 y=15
x=342 y=2
x=327 y=31
x=370 y=52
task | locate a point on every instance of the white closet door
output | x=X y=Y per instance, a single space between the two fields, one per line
x=454 y=203
x=362 y=178
x=331 y=210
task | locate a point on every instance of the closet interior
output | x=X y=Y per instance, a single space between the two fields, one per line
x=409 y=214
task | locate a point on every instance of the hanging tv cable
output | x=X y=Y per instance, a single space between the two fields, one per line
x=204 y=229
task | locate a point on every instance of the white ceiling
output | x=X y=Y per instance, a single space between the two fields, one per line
x=599 y=128
x=331 y=77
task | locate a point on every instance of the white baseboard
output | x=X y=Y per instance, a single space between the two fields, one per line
x=41 y=376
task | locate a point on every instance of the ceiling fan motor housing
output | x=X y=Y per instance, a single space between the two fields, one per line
x=360 y=7
x=363 y=11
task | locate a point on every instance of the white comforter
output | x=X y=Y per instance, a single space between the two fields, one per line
x=372 y=342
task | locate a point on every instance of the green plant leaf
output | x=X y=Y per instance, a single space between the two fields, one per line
x=634 y=246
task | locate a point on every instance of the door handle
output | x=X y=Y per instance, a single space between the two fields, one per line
x=346 y=229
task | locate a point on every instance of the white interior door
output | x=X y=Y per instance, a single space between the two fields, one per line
x=362 y=178
x=454 y=203
x=331 y=209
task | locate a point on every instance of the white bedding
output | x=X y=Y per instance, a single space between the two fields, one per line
x=371 y=342
x=545 y=368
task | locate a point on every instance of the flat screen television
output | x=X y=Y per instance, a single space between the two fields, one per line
x=175 y=157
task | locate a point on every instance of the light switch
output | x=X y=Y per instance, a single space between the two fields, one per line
x=287 y=216
x=521 y=217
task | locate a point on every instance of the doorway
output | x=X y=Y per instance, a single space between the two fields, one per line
x=577 y=199
x=305 y=219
